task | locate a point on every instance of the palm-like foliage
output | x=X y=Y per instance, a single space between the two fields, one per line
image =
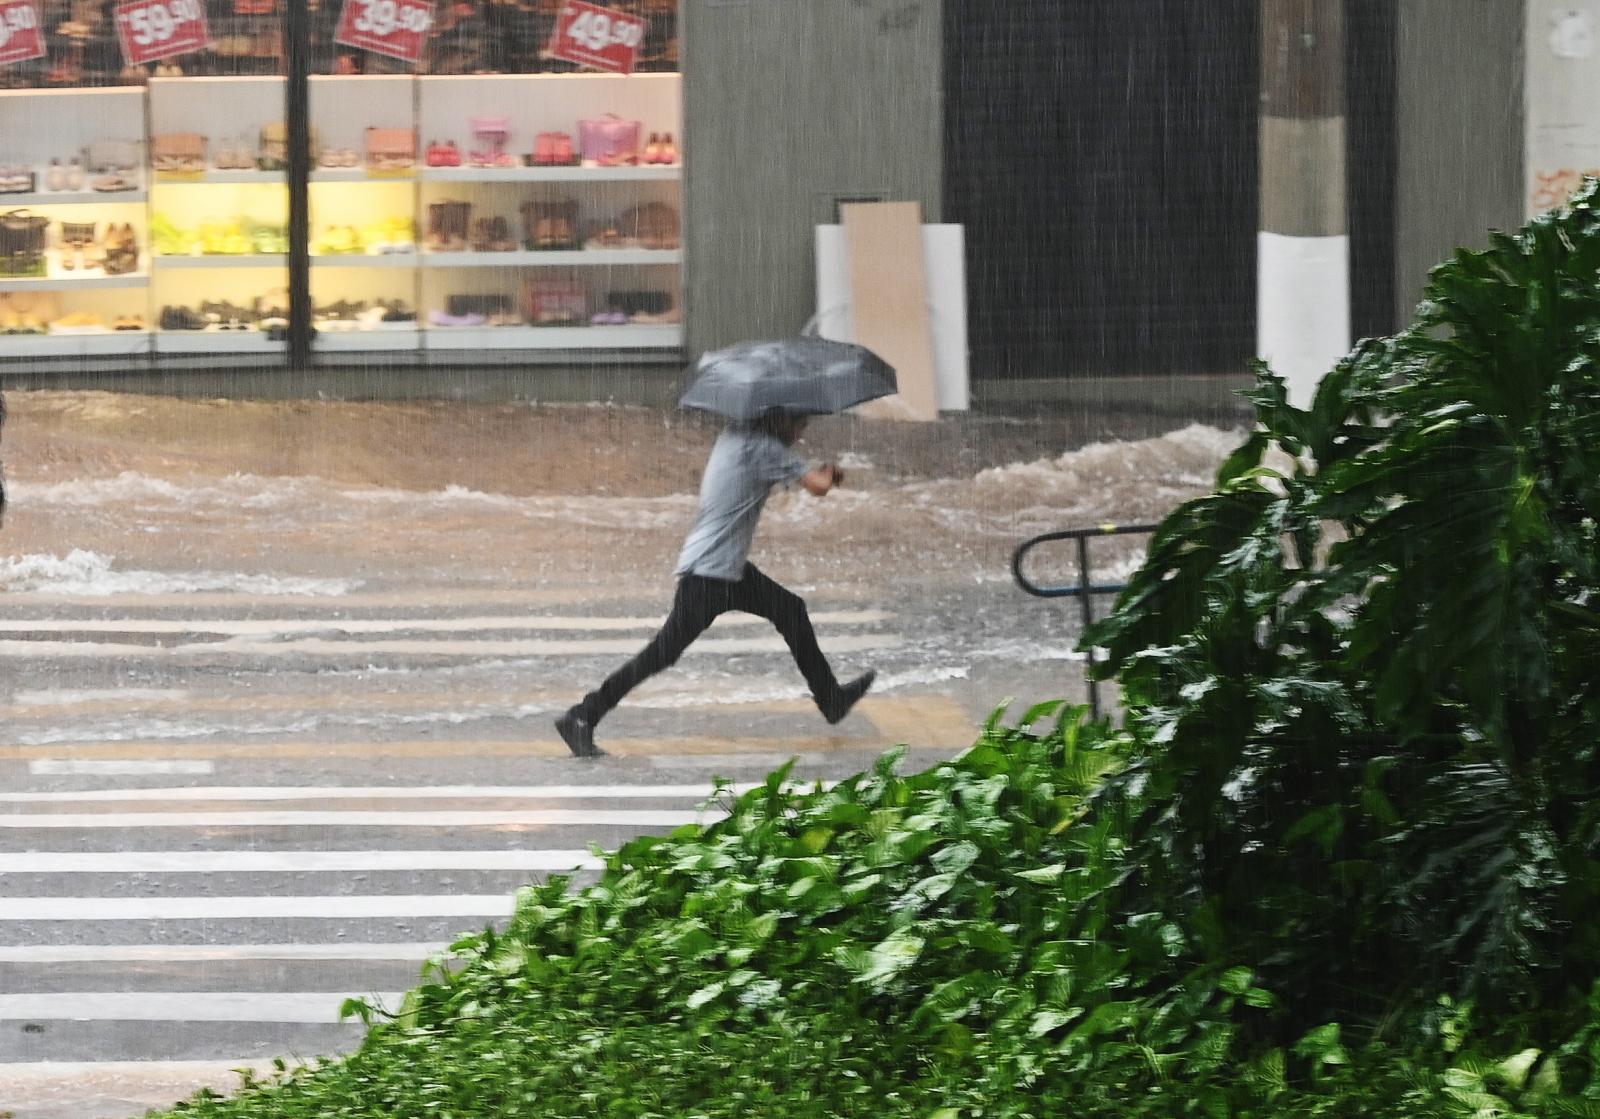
x=1366 y=672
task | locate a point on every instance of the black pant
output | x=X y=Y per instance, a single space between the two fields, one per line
x=698 y=603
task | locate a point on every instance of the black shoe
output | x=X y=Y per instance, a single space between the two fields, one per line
x=835 y=709
x=578 y=733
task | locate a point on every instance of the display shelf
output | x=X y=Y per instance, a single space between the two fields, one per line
x=360 y=175
x=654 y=337
x=118 y=343
x=74 y=198
x=522 y=258
x=365 y=260
x=224 y=260
x=65 y=281
x=213 y=175
x=390 y=336
x=216 y=342
x=233 y=111
x=658 y=174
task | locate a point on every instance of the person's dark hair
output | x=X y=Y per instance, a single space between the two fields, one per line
x=782 y=426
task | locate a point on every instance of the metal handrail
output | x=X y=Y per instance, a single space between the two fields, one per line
x=1084 y=591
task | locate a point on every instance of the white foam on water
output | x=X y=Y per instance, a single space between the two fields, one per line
x=67 y=697
x=91 y=575
x=1090 y=483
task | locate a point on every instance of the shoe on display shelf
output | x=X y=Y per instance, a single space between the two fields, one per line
x=550 y=226
x=440 y=318
x=180 y=318
x=78 y=322
x=121 y=250
x=114 y=160
x=390 y=149
x=480 y=310
x=178 y=152
x=660 y=151
x=338 y=240
x=18 y=180
x=75 y=237
x=491 y=132
x=27 y=312
x=449 y=225
x=113 y=182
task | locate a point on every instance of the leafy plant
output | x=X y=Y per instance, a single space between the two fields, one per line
x=1365 y=673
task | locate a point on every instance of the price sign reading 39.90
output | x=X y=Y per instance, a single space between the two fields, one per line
x=20 y=38
x=599 y=37
x=397 y=28
x=152 y=29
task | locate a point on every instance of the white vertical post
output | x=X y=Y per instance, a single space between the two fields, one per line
x=1303 y=250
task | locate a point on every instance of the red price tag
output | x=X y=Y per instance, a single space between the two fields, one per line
x=397 y=28
x=152 y=29
x=20 y=36
x=599 y=37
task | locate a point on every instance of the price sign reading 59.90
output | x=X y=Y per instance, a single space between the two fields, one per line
x=152 y=29
x=20 y=38
x=397 y=28
x=599 y=37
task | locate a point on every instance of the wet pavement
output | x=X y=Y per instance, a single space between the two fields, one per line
x=279 y=678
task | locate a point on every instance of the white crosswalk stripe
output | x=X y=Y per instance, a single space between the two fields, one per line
x=164 y=859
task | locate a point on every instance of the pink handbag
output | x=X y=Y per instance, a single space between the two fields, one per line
x=609 y=141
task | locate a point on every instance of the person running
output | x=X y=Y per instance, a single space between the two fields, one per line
x=715 y=576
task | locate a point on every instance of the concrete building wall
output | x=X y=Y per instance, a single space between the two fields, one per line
x=788 y=106
x=1459 y=140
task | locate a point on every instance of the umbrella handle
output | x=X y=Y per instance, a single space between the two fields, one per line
x=814 y=323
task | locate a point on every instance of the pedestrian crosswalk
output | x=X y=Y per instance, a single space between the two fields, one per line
x=216 y=824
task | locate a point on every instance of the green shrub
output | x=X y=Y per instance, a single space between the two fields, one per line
x=1366 y=680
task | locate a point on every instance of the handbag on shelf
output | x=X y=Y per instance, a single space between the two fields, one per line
x=553 y=302
x=22 y=242
x=178 y=151
x=391 y=149
x=609 y=141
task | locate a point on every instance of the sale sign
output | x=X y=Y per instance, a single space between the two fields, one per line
x=20 y=36
x=599 y=37
x=154 y=29
x=396 y=28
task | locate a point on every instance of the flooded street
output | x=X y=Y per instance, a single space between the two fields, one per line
x=279 y=682
x=448 y=548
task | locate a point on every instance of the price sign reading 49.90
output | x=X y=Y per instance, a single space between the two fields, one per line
x=20 y=38
x=397 y=28
x=599 y=37
x=152 y=29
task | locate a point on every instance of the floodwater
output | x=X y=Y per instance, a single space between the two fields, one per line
x=277 y=682
x=566 y=509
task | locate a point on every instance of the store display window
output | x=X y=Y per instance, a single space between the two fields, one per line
x=489 y=198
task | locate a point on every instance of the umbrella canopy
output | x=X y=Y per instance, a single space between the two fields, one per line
x=801 y=376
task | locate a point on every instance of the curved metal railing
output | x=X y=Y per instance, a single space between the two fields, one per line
x=1084 y=590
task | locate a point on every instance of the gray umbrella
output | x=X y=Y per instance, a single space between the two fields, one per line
x=804 y=376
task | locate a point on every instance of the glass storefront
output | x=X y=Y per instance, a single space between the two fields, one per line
x=488 y=198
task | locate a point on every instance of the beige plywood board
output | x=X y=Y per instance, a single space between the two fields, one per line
x=889 y=285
